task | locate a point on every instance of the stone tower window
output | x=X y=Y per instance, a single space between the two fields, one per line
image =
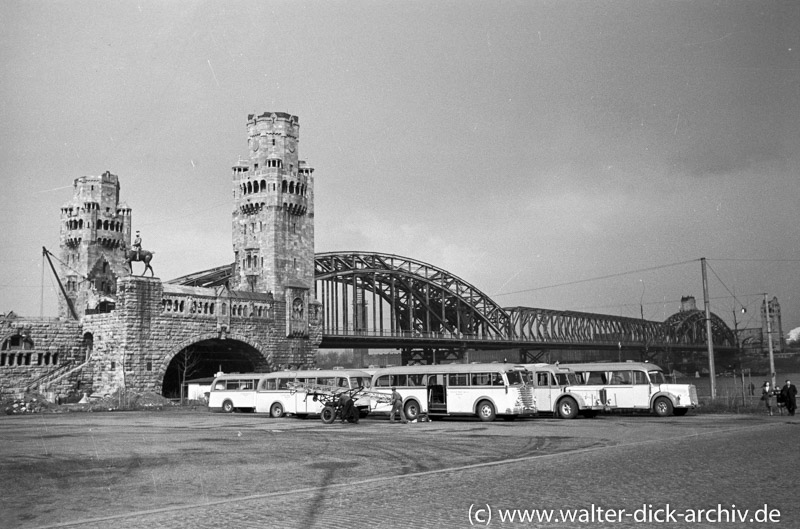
x=17 y=342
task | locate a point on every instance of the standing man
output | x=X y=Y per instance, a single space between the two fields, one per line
x=789 y=394
x=397 y=405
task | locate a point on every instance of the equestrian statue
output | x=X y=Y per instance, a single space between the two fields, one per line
x=137 y=254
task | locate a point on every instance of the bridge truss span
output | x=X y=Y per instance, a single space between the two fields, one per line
x=377 y=296
x=535 y=325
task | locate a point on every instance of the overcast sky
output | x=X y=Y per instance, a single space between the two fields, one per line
x=563 y=155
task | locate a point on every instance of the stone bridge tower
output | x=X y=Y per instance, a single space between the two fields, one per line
x=273 y=220
x=95 y=230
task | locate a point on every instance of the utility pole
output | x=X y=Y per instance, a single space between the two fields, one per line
x=769 y=341
x=709 y=339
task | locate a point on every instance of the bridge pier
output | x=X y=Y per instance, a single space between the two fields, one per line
x=433 y=355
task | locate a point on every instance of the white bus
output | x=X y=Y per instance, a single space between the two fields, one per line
x=236 y=391
x=485 y=390
x=271 y=392
x=288 y=391
x=636 y=386
x=557 y=390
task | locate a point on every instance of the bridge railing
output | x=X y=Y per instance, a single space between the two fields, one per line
x=411 y=335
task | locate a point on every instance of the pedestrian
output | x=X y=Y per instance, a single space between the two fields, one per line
x=789 y=394
x=767 y=395
x=397 y=405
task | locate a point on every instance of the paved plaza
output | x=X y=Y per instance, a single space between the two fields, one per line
x=198 y=469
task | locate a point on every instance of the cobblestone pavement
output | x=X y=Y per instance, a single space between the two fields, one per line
x=211 y=470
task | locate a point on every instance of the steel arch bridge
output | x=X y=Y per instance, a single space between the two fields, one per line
x=383 y=300
x=377 y=300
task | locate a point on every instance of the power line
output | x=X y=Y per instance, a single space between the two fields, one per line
x=759 y=260
x=620 y=274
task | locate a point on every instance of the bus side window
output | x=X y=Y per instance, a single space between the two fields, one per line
x=341 y=382
x=399 y=380
x=457 y=379
x=384 y=381
x=640 y=377
x=219 y=386
x=283 y=383
x=271 y=384
x=416 y=379
x=595 y=377
x=541 y=379
x=497 y=379
x=482 y=379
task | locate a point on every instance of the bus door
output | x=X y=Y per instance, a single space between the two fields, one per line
x=303 y=405
x=545 y=390
x=283 y=394
x=642 y=388
x=437 y=394
x=247 y=387
x=623 y=393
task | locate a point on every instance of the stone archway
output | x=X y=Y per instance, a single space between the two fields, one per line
x=204 y=358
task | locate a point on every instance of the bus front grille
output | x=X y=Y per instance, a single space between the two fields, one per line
x=526 y=396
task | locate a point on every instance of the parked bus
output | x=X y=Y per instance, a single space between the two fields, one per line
x=283 y=392
x=636 y=386
x=230 y=392
x=485 y=390
x=557 y=390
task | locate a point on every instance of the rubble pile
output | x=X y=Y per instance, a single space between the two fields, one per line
x=129 y=400
x=31 y=403
x=126 y=400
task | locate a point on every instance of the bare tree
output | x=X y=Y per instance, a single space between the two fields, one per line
x=187 y=362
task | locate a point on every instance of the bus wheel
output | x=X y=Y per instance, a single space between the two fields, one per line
x=227 y=406
x=663 y=407
x=567 y=408
x=680 y=412
x=276 y=410
x=328 y=414
x=411 y=410
x=486 y=411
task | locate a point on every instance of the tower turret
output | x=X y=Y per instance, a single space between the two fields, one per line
x=273 y=228
x=95 y=229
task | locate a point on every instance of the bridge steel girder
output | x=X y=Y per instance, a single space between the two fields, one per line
x=530 y=324
x=409 y=298
x=689 y=327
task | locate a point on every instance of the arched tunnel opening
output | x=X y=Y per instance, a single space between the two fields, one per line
x=205 y=359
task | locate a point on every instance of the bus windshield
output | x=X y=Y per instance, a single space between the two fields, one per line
x=515 y=378
x=656 y=377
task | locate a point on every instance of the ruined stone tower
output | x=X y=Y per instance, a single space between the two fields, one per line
x=95 y=230
x=273 y=218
